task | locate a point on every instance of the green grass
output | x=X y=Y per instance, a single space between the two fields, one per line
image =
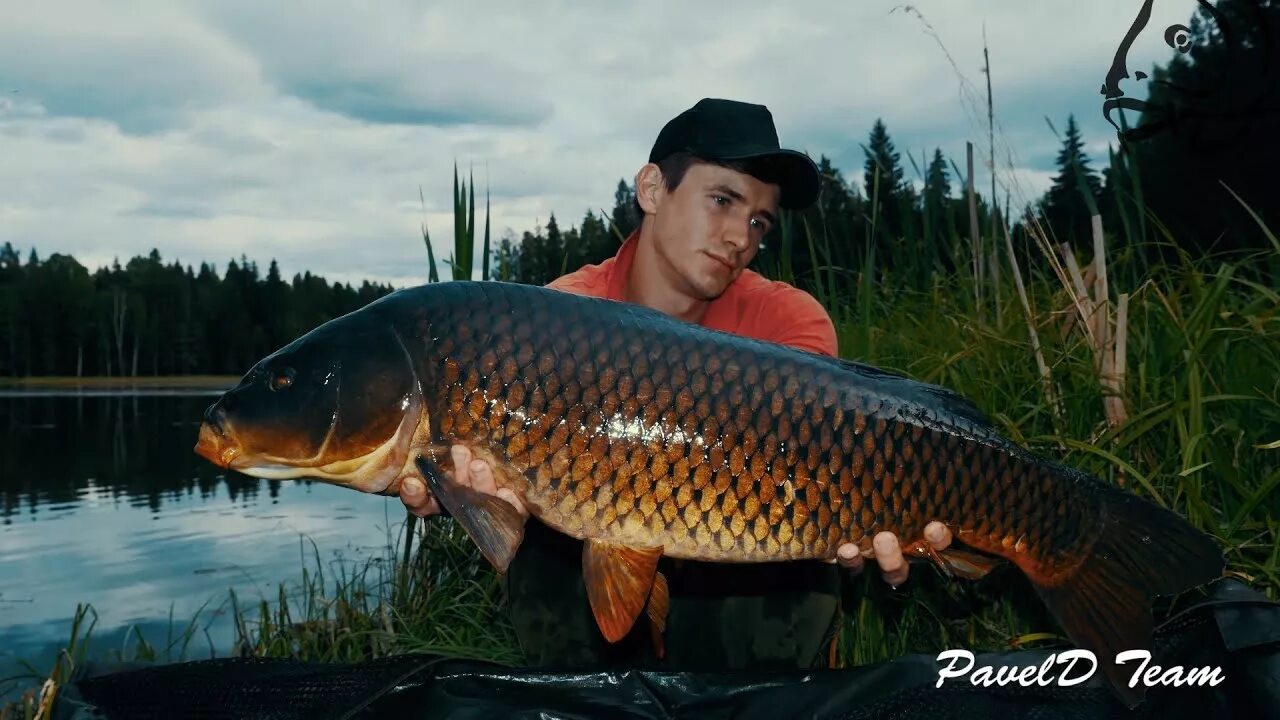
x=444 y=601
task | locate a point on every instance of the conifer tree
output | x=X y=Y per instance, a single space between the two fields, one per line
x=884 y=182
x=936 y=206
x=625 y=213
x=1066 y=208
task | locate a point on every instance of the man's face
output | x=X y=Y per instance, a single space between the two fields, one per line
x=709 y=228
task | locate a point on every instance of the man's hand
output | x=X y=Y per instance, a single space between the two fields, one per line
x=469 y=472
x=477 y=474
x=893 y=566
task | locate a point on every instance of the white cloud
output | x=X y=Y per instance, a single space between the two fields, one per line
x=302 y=132
x=144 y=70
x=397 y=65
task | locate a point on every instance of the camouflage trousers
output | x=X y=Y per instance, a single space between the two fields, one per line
x=722 y=617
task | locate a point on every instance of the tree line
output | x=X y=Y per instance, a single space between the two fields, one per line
x=149 y=317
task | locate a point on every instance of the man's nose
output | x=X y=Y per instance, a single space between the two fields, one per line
x=739 y=235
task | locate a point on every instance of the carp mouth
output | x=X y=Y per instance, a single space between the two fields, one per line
x=216 y=447
x=377 y=472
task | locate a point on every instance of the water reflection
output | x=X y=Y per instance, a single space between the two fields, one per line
x=136 y=447
x=102 y=501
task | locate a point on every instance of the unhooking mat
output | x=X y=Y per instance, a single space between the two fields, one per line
x=1233 y=627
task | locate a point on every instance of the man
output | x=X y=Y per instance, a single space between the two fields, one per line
x=710 y=192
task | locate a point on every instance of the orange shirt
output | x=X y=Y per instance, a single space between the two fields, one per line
x=752 y=306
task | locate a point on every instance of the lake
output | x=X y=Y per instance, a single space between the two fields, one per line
x=102 y=501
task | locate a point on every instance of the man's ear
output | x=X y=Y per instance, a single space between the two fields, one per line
x=650 y=186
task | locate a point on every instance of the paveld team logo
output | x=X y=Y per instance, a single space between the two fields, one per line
x=1225 y=97
x=1071 y=667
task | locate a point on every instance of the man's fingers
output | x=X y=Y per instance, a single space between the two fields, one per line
x=415 y=497
x=508 y=495
x=478 y=475
x=889 y=556
x=482 y=477
x=461 y=455
x=849 y=558
x=938 y=535
x=898 y=577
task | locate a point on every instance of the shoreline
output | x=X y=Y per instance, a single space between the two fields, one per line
x=145 y=382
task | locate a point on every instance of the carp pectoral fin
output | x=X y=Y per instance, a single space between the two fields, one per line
x=659 y=603
x=968 y=565
x=619 y=579
x=492 y=523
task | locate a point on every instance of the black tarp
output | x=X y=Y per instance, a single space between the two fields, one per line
x=1232 y=627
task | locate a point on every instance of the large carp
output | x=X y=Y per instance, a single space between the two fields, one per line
x=646 y=436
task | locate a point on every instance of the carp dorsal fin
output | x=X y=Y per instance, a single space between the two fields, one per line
x=493 y=524
x=956 y=404
x=945 y=400
x=619 y=579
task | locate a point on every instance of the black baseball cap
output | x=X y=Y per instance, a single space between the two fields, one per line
x=716 y=129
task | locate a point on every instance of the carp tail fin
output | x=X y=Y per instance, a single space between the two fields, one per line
x=1142 y=551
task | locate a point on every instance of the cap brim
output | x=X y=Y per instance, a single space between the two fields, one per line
x=794 y=172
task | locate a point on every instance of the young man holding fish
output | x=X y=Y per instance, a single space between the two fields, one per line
x=699 y=467
x=710 y=192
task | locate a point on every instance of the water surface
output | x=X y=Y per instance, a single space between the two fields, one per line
x=102 y=501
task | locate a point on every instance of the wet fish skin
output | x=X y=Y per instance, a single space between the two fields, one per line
x=634 y=426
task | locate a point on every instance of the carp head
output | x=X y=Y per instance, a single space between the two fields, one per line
x=341 y=404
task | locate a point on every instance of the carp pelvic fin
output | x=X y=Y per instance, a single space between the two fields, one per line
x=619 y=579
x=965 y=564
x=953 y=562
x=492 y=523
x=659 y=603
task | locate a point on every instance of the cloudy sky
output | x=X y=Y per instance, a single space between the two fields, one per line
x=302 y=131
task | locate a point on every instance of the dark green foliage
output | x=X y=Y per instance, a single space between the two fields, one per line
x=1213 y=116
x=626 y=213
x=885 y=186
x=547 y=253
x=152 y=318
x=1073 y=198
x=937 y=214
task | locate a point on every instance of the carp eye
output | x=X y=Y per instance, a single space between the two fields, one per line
x=280 y=379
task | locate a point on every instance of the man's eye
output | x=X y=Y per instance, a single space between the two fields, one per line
x=720 y=199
